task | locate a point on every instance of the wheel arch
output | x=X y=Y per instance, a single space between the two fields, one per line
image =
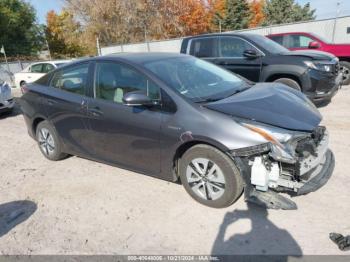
x=274 y=77
x=182 y=148
x=37 y=120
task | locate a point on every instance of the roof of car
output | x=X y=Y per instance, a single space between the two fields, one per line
x=142 y=57
x=223 y=34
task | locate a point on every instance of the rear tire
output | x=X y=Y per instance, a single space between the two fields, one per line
x=345 y=69
x=210 y=177
x=49 y=142
x=289 y=82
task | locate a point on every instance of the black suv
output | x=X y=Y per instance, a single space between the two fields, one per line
x=260 y=59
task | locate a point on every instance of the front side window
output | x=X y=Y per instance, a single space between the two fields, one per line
x=38 y=68
x=203 y=47
x=298 y=41
x=72 y=79
x=196 y=79
x=234 y=47
x=114 y=80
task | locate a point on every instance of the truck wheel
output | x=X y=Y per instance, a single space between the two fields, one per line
x=48 y=141
x=289 y=82
x=210 y=176
x=345 y=69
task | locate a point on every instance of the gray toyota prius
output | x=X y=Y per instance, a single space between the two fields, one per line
x=184 y=120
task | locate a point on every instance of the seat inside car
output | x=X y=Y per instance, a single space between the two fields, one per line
x=108 y=88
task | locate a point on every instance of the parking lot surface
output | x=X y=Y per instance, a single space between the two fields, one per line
x=77 y=206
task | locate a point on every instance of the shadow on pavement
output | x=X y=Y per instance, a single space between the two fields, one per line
x=14 y=213
x=265 y=238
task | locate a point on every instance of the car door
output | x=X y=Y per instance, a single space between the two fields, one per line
x=230 y=56
x=124 y=135
x=65 y=103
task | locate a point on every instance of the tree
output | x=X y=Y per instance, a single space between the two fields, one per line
x=19 y=32
x=257 y=11
x=217 y=13
x=237 y=15
x=194 y=18
x=286 y=11
x=64 y=35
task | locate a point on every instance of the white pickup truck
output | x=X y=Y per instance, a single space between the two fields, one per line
x=36 y=70
x=6 y=100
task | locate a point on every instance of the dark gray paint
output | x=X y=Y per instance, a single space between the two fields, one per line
x=147 y=139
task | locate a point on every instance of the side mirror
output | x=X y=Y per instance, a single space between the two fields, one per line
x=137 y=98
x=251 y=54
x=314 y=45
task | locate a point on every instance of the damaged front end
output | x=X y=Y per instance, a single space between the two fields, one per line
x=291 y=162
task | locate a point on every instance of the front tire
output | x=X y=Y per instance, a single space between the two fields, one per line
x=289 y=82
x=345 y=69
x=210 y=177
x=48 y=141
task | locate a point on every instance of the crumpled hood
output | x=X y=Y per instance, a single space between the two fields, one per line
x=271 y=103
x=315 y=55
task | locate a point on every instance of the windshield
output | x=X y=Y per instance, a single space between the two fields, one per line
x=268 y=44
x=196 y=79
x=323 y=39
x=60 y=64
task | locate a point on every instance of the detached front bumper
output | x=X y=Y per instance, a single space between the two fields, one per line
x=7 y=105
x=266 y=177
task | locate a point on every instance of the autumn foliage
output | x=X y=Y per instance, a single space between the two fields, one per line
x=257 y=10
x=131 y=21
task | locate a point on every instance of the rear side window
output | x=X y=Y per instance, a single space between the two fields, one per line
x=47 y=68
x=114 y=80
x=38 y=68
x=204 y=47
x=277 y=38
x=72 y=79
x=233 y=47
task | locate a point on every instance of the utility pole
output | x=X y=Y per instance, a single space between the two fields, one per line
x=2 y=50
x=335 y=21
x=220 y=25
x=48 y=48
x=98 y=46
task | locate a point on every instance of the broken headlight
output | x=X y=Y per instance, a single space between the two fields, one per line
x=281 y=140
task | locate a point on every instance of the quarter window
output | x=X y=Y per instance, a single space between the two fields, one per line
x=234 y=47
x=72 y=79
x=113 y=81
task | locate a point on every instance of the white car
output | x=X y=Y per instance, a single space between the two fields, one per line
x=36 y=70
x=6 y=100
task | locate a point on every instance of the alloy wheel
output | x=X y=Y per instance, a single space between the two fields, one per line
x=46 y=141
x=205 y=178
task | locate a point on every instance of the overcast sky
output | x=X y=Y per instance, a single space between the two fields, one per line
x=324 y=8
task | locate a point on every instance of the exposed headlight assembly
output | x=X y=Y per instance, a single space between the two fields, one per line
x=279 y=139
x=319 y=66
